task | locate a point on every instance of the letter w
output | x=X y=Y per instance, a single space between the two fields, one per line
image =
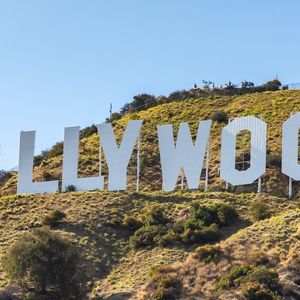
x=185 y=155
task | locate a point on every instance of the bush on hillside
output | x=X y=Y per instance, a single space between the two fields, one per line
x=251 y=276
x=165 y=286
x=255 y=292
x=56 y=150
x=259 y=211
x=220 y=117
x=263 y=275
x=201 y=235
x=140 y=102
x=234 y=277
x=132 y=222
x=205 y=215
x=88 y=131
x=153 y=229
x=208 y=253
x=147 y=235
x=38 y=159
x=202 y=225
x=157 y=217
x=4 y=176
x=54 y=218
x=225 y=212
x=273 y=85
x=178 y=96
x=114 y=117
x=44 y=261
x=47 y=175
x=70 y=188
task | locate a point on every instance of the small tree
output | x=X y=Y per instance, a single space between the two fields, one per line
x=273 y=85
x=143 y=101
x=88 y=131
x=43 y=260
x=247 y=84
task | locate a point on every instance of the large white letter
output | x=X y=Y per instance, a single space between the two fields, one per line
x=25 y=184
x=70 y=164
x=118 y=157
x=290 y=144
x=258 y=130
x=184 y=155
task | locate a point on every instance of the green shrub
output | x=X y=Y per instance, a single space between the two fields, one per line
x=178 y=96
x=54 y=218
x=203 y=223
x=168 y=238
x=258 y=258
x=234 y=277
x=47 y=175
x=55 y=151
x=152 y=231
x=157 y=217
x=205 y=215
x=250 y=276
x=166 y=287
x=178 y=227
x=5 y=176
x=44 y=261
x=70 y=188
x=201 y=215
x=226 y=213
x=207 y=253
x=220 y=117
x=204 y=234
x=201 y=226
x=210 y=233
x=88 y=131
x=264 y=275
x=255 y=292
x=132 y=222
x=147 y=235
x=259 y=211
x=115 y=220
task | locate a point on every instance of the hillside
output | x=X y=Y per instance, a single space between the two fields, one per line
x=103 y=225
x=94 y=224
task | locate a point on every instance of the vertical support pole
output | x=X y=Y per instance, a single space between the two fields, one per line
x=290 y=187
x=206 y=167
x=138 y=166
x=259 y=185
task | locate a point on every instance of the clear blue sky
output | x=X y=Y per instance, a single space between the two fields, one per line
x=63 y=61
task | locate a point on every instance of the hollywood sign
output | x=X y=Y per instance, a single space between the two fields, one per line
x=184 y=154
